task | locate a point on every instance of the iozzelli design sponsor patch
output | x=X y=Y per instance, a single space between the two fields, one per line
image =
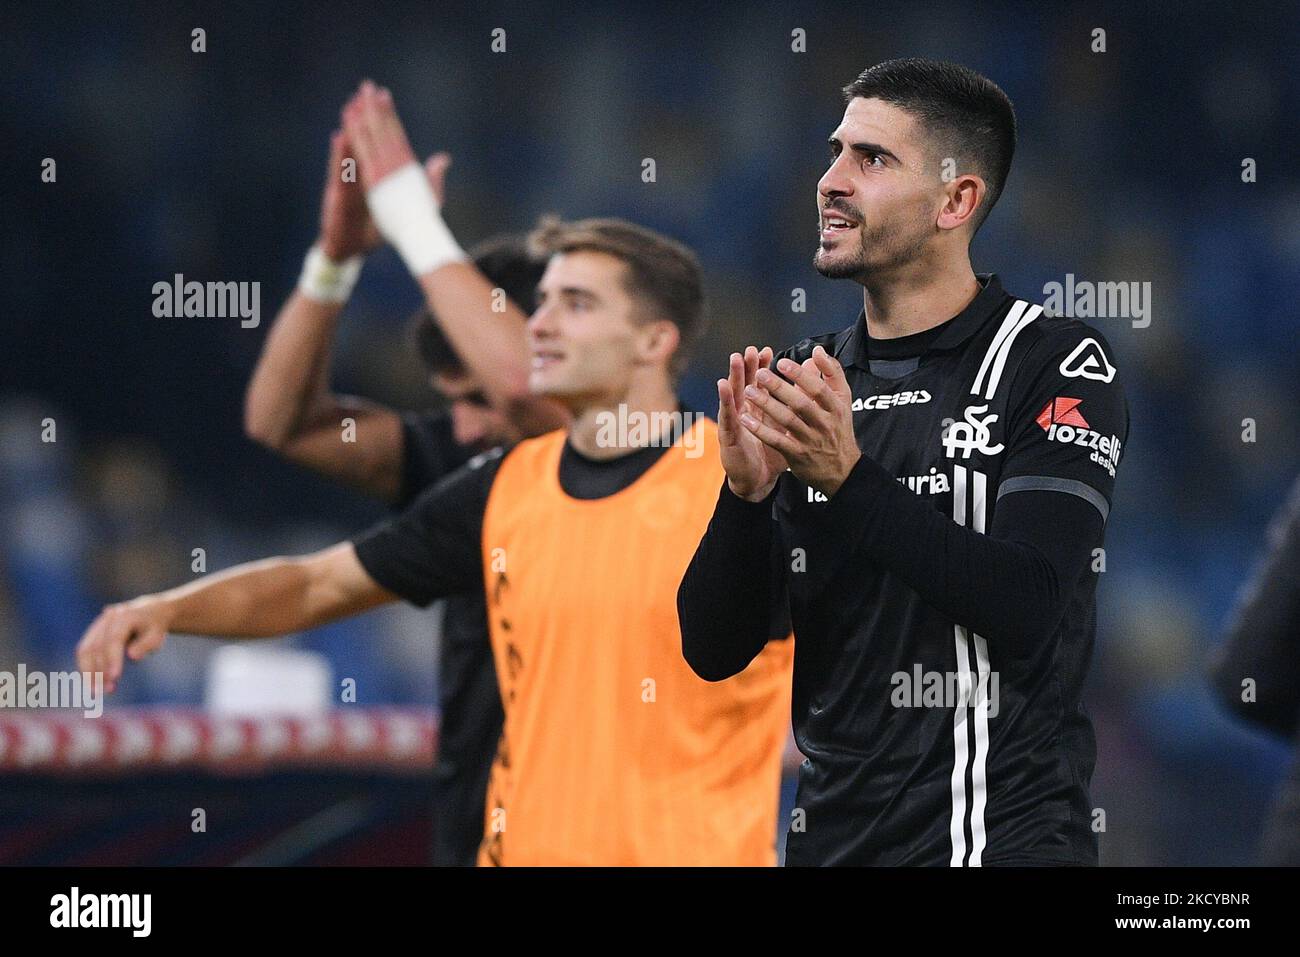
x=1063 y=422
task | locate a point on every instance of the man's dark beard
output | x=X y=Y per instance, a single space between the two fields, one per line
x=853 y=268
x=847 y=269
x=859 y=269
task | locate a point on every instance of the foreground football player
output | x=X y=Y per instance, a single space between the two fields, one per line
x=951 y=456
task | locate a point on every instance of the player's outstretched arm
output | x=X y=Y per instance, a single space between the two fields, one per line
x=407 y=210
x=255 y=600
x=731 y=601
x=288 y=406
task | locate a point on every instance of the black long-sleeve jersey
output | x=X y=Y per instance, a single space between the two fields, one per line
x=1257 y=671
x=943 y=600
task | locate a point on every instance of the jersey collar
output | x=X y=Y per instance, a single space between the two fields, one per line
x=986 y=304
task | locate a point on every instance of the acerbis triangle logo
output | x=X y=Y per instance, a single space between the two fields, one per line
x=1061 y=411
x=1089 y=362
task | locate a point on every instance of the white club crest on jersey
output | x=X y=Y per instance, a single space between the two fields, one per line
x=1089 y=362
x=972 y=435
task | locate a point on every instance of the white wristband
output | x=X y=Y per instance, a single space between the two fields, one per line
x=406 y=212
x=325 y=280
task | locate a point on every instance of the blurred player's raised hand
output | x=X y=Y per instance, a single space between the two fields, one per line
x=132 y=629
x=403 y=197
x=752 y=467
x=372 y=126
x=345 y=226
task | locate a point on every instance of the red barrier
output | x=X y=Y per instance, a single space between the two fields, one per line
x=153 y=739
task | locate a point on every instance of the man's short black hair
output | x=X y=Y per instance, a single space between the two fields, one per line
x=510 y=264
x=967 y=115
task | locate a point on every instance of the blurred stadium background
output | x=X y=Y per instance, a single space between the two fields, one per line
x=210 y=164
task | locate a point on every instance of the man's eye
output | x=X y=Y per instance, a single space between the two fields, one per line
x=874 y=159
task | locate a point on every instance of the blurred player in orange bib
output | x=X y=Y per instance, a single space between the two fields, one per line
x=613 y=751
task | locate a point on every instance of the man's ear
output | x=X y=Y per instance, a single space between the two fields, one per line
x=962 y=201
x=659 y=340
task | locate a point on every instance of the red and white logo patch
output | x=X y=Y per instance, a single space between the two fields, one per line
x=1063 y=422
